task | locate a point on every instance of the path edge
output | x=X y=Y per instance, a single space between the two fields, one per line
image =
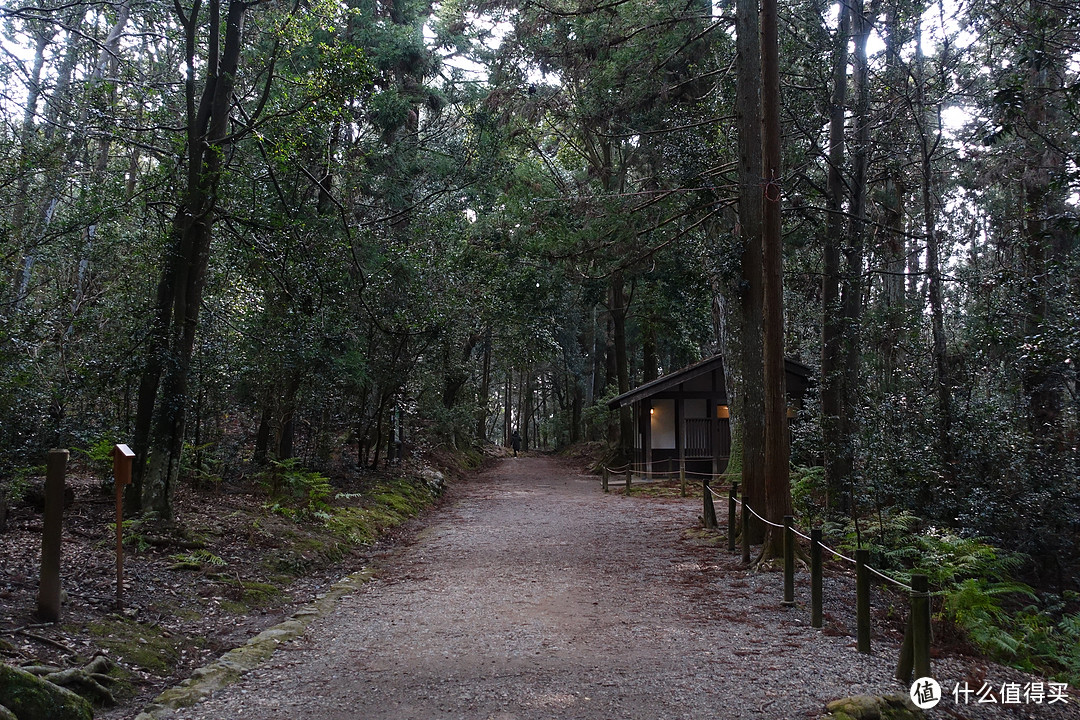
x=235 y=663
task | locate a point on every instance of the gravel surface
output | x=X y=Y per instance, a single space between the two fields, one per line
x=534 y=595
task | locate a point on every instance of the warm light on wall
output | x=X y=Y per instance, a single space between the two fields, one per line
x=652 y=411
x=723 y=412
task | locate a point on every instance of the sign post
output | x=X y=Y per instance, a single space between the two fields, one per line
x=52 y=530
x=122 y=457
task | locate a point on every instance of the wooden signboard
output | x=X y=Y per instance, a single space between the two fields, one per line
x=122 y=459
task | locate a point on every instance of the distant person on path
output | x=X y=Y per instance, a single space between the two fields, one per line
x=515 y=442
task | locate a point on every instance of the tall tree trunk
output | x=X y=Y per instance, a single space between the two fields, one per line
x=287 y=427
x=777 y=446
x=1046 y=229
x=456 y=370
x=54 y=178
x=894 y=197
x=485 y=390
x=508 y=409
x=43 y=36
x=851 y=296
x=598 y=366
x=165 y=377
x=929 y=137
x=837 y=471
x=650 y=363
x=748 y=113
x=108 y=59
x=618 y=307
x=527 y=407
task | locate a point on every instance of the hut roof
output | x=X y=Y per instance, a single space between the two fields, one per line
x=716 y=362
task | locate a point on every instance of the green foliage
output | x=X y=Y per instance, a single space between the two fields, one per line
x=135 y=532
x=295 y=488
x=99 y=456
x=807 y=491
x=388 y=505
x=977 y=596
x=975 y=605
x=13 y=487
x=598 y=417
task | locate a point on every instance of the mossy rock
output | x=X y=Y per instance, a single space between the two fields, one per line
x=873 y=707
x=29 y=697
x=6 y=714
x=139 y=645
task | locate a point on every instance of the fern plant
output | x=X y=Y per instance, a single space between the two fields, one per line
x=287 y=480
x=976 y=594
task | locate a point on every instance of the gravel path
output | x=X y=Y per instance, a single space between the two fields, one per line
x=534 y=595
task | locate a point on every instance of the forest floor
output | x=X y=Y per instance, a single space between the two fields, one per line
x=242 y=563
x=525 y=592
x=531 y=594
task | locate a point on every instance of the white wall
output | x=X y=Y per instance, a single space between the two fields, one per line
x=663 y=425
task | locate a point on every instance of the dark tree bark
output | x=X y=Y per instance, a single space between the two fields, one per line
x=457 y=373
x=928 y=141
x=893 y=198
x=1047 y=230
x=836 y=461
x=527 y=408
x=508 y=408
x=485 y=390
x=851 y=296
x=287 y=427
x=618 y=311
x=752 y=407
x=777 y=448
x=43 y=36
x=162 y=403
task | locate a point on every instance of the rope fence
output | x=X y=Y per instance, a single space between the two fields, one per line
x=915 y=649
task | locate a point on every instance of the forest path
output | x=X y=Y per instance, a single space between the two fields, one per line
x=532 y=594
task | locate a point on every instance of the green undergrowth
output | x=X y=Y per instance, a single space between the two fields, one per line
x=137 y=645
x=349 y=518
x=977 y=596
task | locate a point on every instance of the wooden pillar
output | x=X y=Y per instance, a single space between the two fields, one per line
x=862 y=600
x=920 y=624
x=815 y=578
x=714 y=430
x=680 y=436
x=646 y=413
x=51 y=536
x=789 y=561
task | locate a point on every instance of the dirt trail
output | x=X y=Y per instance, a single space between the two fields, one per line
x=534 y=595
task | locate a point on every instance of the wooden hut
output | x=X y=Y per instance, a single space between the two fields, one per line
x=681 y=420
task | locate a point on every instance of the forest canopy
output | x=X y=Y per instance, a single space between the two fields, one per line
x=343 y=230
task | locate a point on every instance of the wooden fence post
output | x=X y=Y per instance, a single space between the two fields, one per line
x=745 y=531
x=920 y=624
x=605 y=480
x=682 y=481
x=52 y=536
x=627 y=479
x=789 y=561
x=709 y=509
x=122 y=457
x=862 y=600
x=815 y=578
x=732 y=494
x=907 y=658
